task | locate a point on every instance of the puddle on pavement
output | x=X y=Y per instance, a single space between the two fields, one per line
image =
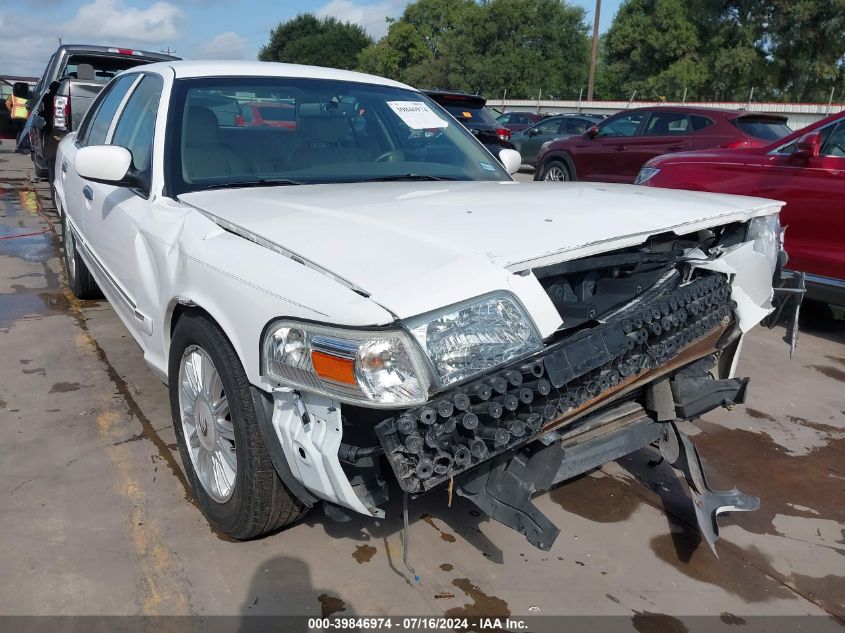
x=601 y=499
x=446 y=536
x=29 y=304
x=364 y=553
x=646 y=622
x=64 y=387
x=443 y=567
x=683 y=549
x=330 y=605
x=810 y=486
x=830 y=372
x=15 y=203
x=755 y=464
x=482 y=605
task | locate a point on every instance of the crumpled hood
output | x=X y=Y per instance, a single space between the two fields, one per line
x=418 y=246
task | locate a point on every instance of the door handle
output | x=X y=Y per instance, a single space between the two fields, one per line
x=88 y=193
x=675 y=148
x=64 y=166
x=620 y=148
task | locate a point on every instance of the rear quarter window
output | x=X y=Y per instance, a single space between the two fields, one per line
x=700 y=122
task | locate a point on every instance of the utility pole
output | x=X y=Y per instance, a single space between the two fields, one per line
x=594 y=53
x=168 y=51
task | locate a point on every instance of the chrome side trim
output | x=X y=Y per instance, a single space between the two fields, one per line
x=82 y=246
x=825 y=281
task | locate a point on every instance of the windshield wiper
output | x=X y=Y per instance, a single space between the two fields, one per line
x=261 y=182
x=405 y=177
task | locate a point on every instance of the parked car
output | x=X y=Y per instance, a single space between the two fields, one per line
x=615 y=149
x=529 y=142
x=518 y=121
x=373 y=291
x=472 y=113
x=74 y=76
x=805 y=169
x=281 y=115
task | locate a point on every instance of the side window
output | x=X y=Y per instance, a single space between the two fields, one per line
x=549 y=126
x=99 y=117
x=136 y=125
x=834 y=145
x=625 y=125
x=667 y=124
x=699 y=122
x=574 y=126
x=520 y=119
x=504 y=119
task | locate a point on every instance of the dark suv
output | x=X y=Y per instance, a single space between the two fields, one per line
x=471 y=111
x=616 y=148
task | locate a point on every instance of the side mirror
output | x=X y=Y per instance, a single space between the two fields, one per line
x=511 y=159
x=592 y=133
x=108 y=164
x=533 y=131
x=808 y=146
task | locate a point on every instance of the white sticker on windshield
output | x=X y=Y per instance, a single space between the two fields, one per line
x=417 y=115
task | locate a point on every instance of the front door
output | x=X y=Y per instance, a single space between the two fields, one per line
x=603 y=157
x=814 y=192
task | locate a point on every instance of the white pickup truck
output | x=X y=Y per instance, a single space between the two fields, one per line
x=366 y=293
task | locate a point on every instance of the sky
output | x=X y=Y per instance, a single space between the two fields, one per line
x=195 y=29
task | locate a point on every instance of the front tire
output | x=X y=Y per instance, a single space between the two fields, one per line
x=79 y=278
x=219 y=438
x=555 y=171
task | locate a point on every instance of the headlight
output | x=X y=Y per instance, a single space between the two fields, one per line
x=646 y=173
x=377 y=368
x=767 y=236
x=473 y=337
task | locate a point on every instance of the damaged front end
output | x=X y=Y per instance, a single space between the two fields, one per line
x=650 y=336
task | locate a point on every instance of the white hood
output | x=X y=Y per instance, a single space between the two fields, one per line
x=414 y=247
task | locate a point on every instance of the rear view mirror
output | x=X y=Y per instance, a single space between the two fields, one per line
x=808 y=146
x=108 y=164
x=511 y=159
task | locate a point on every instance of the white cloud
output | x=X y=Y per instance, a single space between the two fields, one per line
x=228 y=45
x=26 y=43
x=109 y=19
x=370 y=15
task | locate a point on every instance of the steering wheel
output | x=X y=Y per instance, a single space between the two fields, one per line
x=390 y=156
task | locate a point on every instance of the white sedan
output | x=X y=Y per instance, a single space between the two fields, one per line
x=352 y=289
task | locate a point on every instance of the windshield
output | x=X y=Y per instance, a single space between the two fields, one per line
x=333 y=132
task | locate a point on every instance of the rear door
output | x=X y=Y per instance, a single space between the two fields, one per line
x=603 y=157
x=814 y=192
x=664 y=132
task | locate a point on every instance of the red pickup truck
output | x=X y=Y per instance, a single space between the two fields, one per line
x=805 y=169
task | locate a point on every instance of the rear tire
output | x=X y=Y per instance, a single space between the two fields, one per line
x=230 y=470
x=555 y=171
x=79 y=278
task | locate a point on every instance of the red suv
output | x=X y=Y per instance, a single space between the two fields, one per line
x=615 y=149
x=805 y=169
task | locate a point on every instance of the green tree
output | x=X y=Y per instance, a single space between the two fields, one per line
x=806 y=41
x=522 y=46
x=654 y=45
x=321 y=42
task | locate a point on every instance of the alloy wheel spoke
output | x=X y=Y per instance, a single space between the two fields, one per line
x=225 y=429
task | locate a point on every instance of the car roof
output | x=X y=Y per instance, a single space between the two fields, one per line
x=695 y=110
x=458 y=95
x=188 y=69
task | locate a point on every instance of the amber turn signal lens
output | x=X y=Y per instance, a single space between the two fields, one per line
x=334 y=368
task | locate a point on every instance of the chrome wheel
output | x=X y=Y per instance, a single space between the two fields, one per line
x=207 y=424
x=556 y=173
x=70 y=253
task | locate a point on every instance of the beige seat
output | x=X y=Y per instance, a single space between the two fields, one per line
x=204 y=155
x=321 y=138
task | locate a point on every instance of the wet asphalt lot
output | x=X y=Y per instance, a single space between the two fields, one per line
x=97 y=519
